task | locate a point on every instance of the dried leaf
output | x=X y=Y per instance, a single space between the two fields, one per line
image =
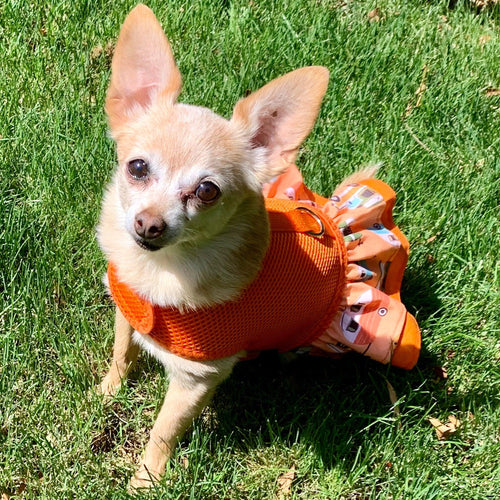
x=480 y=4
x=392 y=393
x=492 y=92
x=432 y=238
x=419 y=93
x=443 y=431
x=439 y=427
x=394 y=398
x=109 y=49
x=374 y=15
x=440 y=372
x=5 y=496
x=484 y=39
x=285 y=482
x=95 y=52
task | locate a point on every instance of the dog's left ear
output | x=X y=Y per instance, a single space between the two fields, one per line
x=143 y=68
x=279 y=116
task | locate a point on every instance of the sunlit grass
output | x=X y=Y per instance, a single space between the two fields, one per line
x=414 y=88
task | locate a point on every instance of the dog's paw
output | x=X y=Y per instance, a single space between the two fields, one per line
x=108 y=387
x=143 y=479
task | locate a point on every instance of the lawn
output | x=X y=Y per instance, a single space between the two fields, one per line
x=415 y=85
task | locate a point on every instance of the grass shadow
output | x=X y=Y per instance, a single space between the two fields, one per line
x=332 y=405
x=324 y=403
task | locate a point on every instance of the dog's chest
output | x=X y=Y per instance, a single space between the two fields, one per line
x=289 y=304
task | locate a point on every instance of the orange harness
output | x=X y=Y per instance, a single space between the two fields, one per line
x=289 y=304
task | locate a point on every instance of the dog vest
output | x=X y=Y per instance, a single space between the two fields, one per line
x=289 y=304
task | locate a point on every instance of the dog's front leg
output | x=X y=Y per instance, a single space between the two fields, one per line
x=190 y=389
x=125 y=353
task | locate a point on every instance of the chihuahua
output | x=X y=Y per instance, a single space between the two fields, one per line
x=184 y=219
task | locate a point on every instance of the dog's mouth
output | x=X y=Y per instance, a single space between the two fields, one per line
x=146 y=245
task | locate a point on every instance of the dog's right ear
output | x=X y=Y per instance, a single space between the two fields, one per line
x=143 y=68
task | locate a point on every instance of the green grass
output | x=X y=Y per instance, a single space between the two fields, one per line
x=332 y=421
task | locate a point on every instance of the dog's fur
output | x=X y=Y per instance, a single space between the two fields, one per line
x=170 y=246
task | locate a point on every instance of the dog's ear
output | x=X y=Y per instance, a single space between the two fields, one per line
x=279 y=116
x=143 y=68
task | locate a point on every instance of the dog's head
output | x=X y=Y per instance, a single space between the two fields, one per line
x=183 y=170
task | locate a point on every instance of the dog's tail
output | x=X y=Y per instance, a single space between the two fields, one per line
x=360 y=175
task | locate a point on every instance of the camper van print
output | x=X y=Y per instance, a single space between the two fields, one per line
x=362 y=197
x=359 y=321
x=385 y=234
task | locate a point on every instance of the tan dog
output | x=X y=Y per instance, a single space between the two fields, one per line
x=184 y=216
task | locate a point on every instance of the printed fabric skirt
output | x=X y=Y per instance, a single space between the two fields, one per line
x=372 y=319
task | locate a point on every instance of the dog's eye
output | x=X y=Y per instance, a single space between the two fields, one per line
x=138 y=169
x=207 y=192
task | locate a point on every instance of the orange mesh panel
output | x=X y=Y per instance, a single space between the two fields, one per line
x=289 y=304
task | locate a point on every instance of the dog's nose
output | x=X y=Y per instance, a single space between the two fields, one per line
x=148 y=225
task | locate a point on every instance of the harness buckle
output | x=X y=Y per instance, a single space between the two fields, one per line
x=315 y=216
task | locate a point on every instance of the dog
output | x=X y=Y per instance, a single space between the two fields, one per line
x=184 y=223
